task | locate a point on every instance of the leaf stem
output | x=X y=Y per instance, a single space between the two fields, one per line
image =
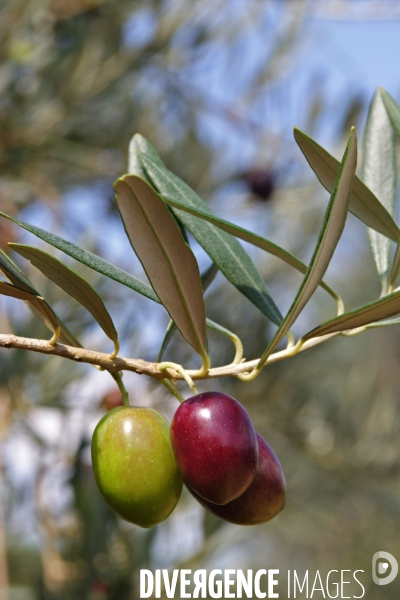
x=116 y=350
x=339 y=304
x=291 y=350
x=236 y=341
x=56 y=336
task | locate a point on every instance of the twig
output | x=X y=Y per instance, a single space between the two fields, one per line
x=141 y=366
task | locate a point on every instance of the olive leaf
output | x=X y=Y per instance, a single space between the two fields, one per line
x=15 y=275
x=393 y=111
x=169 y=334
x=363 y=203
x=227 y=253
x=72 y=284
x=207 y=277
x=168 y=261
x=17 y=278
x=380 y=174
x=88 y=258
x=136 y=146
x=38 y=303
x=392 y=108
x=245 y=235
x=385 y=307
x=331 y=231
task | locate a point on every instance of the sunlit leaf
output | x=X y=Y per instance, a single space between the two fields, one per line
x=136 y=146
x=72 y=284
x=363 y=203
x=385 y=307
x=393 y=111
x=168 y=261
x=225 y=251
x=88 y=258
x=380 y=174
x=331 y=231
x=392 y=108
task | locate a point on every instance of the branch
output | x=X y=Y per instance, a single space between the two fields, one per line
x=137 y=365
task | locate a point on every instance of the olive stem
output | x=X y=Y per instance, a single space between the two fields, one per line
x=122 y=389
x=170 y=386
x=170 y=365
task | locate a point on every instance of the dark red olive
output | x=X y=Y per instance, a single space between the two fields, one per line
x=215 y=446
x=265 y=497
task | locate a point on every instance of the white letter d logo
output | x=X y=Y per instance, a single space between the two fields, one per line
x=383 y=567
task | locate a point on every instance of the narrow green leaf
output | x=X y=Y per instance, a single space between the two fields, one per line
x=17 y=278
x=246 y=235
x=40 y=305
x=385 y=307
x=392 y=108
x=169 y=334
x=363 y=203
x=393 y=111
x=15 y=275
x=226 y=252
x=168 y=261
x=207 y=277
x=380 y=174
x=88 y=258
x=331 y=231
x=136 y=146
x=140 y=147
x=72 y=284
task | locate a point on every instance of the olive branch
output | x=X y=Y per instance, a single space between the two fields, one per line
x=158 y=209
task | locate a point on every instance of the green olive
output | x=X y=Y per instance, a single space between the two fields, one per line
x=134 y=465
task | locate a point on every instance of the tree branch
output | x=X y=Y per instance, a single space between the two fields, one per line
x=140 y=366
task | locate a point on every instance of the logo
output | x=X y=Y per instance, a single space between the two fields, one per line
x=381 y=561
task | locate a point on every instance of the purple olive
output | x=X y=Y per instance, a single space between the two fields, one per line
x=265 y=497
x=215 y=446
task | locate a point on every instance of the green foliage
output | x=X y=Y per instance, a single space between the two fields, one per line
x=331 y=231
x=148 y=215
x=168 y=261
x=226 y=252
x=74 y=285
x=380 y=174
x=89 y=259
x=363 y=203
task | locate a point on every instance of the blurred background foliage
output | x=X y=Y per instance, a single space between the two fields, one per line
x=215 y=87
